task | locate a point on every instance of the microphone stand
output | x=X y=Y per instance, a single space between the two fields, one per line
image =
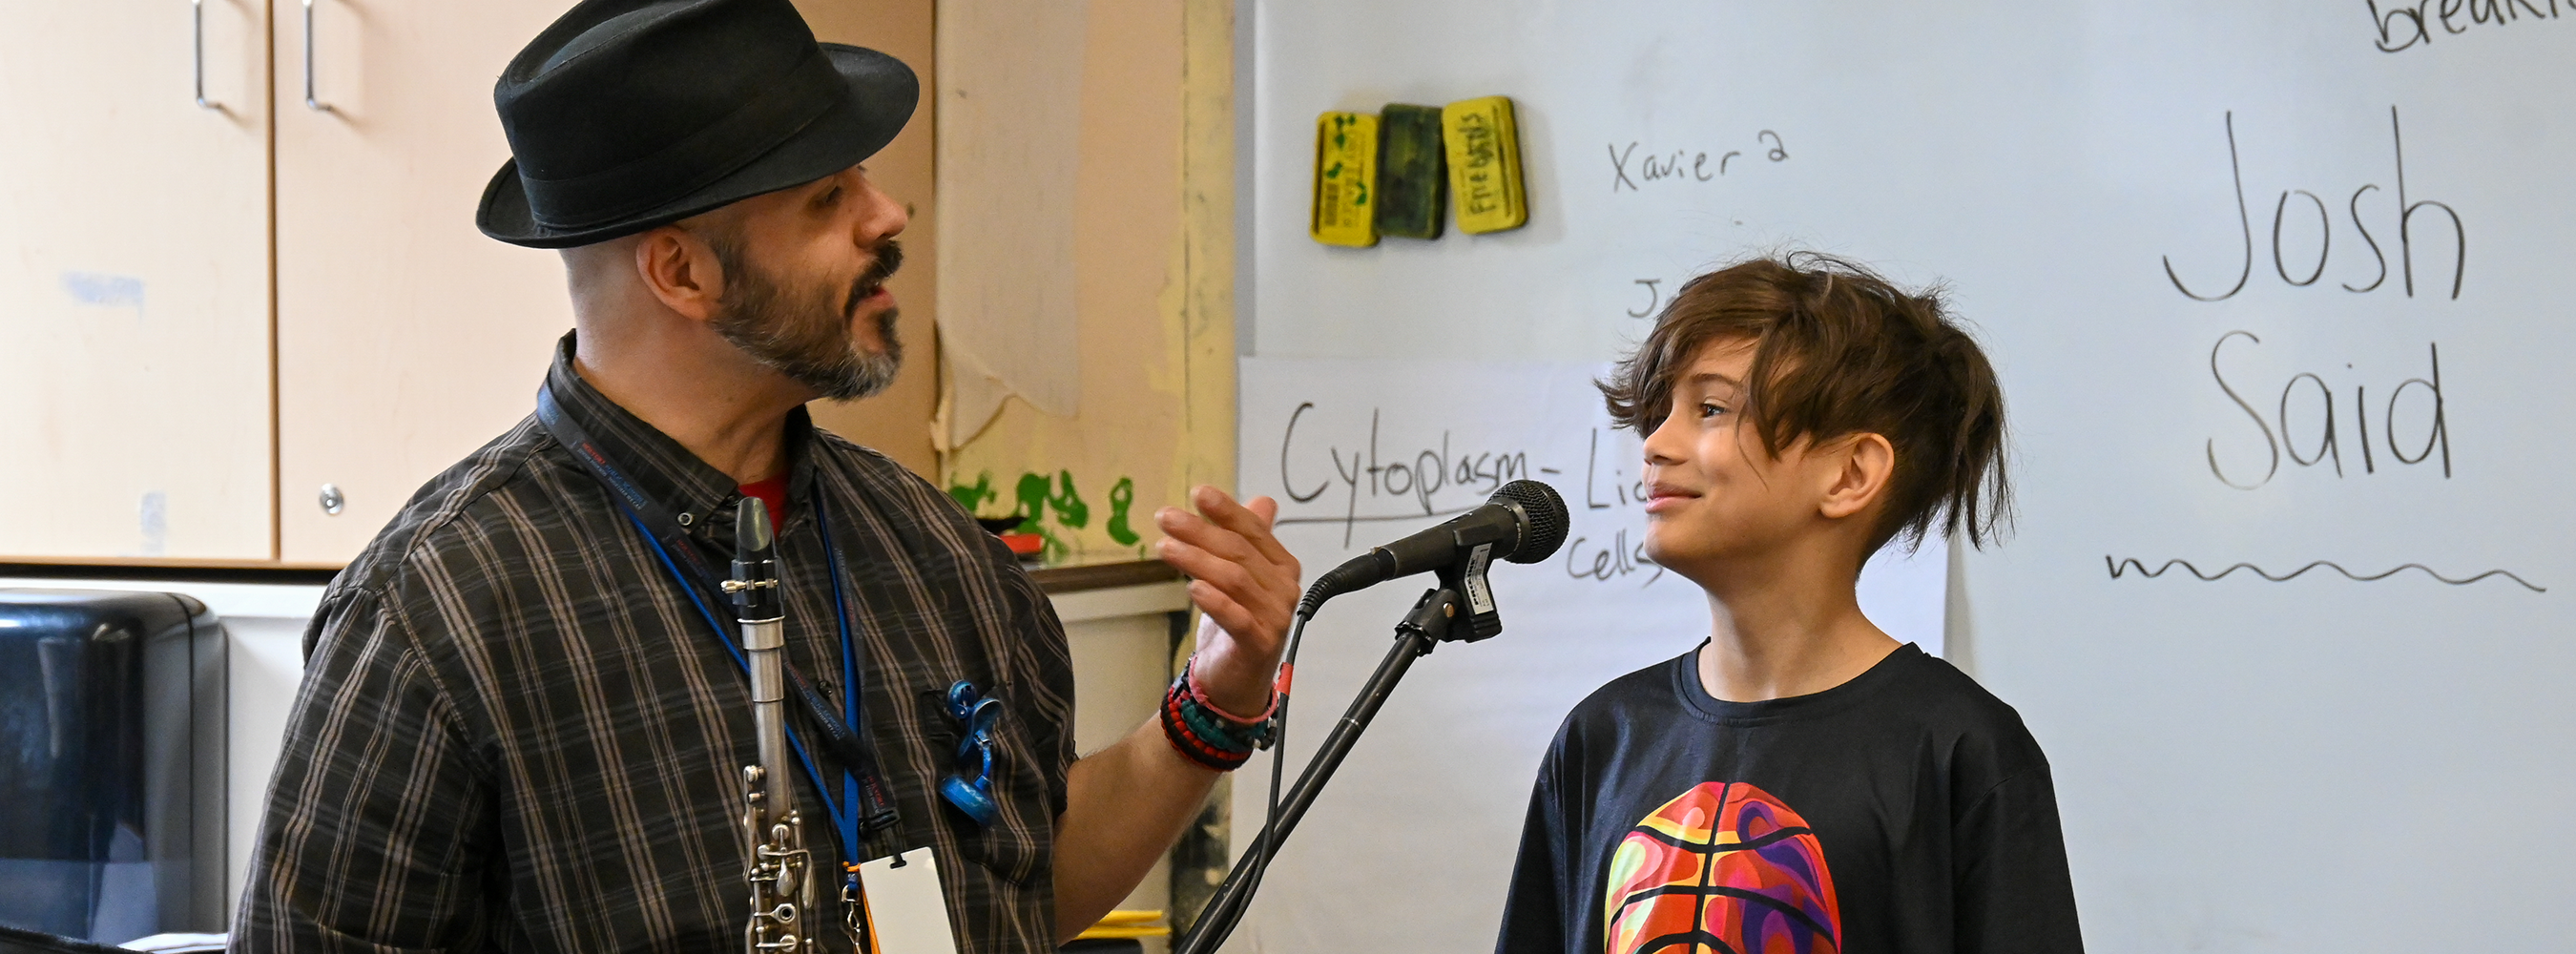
x=1423 y=628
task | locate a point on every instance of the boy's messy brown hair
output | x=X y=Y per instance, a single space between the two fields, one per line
x=1838 y=351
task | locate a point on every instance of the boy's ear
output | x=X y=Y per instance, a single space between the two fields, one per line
x=1862 y=466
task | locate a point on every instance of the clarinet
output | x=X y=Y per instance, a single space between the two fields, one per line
x=783 y=891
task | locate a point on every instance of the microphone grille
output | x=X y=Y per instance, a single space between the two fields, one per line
x=1548 y=521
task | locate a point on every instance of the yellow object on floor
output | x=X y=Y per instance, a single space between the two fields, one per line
x=1127 y=924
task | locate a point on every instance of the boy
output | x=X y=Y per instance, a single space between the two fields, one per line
x=1799 y=782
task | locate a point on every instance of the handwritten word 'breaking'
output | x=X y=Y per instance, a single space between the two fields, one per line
x=2403 y=27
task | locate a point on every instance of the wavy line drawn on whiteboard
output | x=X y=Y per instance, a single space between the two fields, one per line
x=2124 y=565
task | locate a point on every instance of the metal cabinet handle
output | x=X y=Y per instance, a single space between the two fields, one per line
x=198 y=9
x=309 y=102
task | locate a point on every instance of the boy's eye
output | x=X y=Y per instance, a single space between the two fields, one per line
x=1708 y=410
x=829 y=198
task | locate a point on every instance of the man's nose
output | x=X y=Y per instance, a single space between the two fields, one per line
x=885 y=217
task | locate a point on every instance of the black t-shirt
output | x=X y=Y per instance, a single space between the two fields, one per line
x=1907 y=810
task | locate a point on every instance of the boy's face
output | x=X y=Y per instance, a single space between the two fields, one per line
x=1715 y=497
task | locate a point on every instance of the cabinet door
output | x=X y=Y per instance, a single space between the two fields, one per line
x=134 y=283
x=405 y=338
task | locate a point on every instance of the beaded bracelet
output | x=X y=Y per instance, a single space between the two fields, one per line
x=1209 y=735
x=1217 y=731
x=1190 y=744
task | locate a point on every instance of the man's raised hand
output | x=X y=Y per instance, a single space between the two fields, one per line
x=1244 y=580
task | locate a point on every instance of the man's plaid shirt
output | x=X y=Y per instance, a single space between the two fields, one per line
x=516 y=732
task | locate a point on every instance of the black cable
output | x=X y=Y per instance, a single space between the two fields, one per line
x=1278 y=769
x=1278 y=756
x=1231 y=912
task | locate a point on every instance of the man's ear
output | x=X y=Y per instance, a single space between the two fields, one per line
x=681 y=270
x=1862 y=465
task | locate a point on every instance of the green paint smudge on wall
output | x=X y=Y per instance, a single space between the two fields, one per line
x=1069 y=508
x=1036 y=495
x=1121 y=497
x=1033 y=500
x=973 y=497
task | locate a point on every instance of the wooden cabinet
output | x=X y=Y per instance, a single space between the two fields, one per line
x=209 y=315
x=405 y=338
x=134 y=282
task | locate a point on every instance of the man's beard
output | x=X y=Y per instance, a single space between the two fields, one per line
x=805 y=333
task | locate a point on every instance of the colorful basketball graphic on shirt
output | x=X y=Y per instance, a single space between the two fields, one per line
x=1724 y=869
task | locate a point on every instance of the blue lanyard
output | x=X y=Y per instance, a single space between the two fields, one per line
x=844 y=810
x=851 y=713
x=857 y=793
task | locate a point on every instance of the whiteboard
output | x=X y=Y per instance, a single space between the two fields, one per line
x=2347 y=759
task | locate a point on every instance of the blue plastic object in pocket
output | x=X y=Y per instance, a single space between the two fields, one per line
x=970 y=786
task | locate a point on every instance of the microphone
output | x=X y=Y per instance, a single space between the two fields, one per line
x=1524 y=522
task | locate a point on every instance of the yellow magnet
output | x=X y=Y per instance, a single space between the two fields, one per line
x=1485 y=164
x=1345 y=180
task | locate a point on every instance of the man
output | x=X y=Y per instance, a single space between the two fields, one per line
x=522 y=720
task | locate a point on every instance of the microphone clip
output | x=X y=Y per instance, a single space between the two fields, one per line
x=1475 y=594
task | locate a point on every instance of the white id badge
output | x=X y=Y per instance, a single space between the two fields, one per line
x=908 y=911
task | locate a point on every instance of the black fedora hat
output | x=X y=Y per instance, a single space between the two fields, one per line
x=628 y=114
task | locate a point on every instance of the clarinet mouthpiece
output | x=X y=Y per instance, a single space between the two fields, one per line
x=751 y=533
x=755 y=562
